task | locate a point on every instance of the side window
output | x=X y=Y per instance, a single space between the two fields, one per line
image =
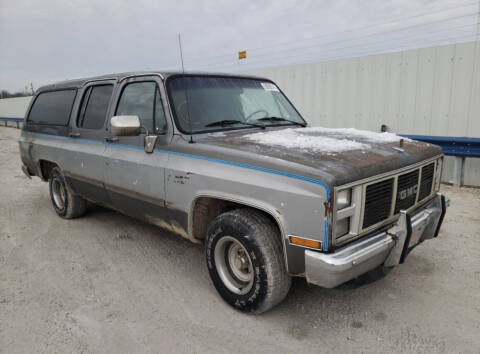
x=52 y=107
x=137 y=99
x=94 y=107
x=160 y=119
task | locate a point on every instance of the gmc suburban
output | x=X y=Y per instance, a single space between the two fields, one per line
x=227 y=160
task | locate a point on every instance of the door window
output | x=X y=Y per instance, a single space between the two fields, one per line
x=94 y=107
x=143 y=100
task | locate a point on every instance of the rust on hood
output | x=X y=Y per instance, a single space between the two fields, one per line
x=334 y=168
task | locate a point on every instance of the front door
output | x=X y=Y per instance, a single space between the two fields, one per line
x=135 y=179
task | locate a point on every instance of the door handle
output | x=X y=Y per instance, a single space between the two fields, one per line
x=111 y=140
x=74 y=135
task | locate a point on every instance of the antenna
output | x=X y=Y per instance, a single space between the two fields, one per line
x=186 y=91
x=181 y=53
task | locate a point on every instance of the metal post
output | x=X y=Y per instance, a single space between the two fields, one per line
x=458 y=171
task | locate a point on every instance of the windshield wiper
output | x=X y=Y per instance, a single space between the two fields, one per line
x=224 y=122
x=281 y=119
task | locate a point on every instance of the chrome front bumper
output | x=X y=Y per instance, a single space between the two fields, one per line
x=388 y=247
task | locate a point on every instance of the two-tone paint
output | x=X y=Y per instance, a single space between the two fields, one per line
x=294 y=187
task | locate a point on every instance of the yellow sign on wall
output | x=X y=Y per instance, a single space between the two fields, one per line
x=242 y=55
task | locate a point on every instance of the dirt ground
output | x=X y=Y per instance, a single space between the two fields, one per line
x=106 y=283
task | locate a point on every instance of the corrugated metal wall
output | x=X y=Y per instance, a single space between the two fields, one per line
x=14 y=107
x=427 y=91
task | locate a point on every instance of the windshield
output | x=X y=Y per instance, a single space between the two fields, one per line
x=207 y=103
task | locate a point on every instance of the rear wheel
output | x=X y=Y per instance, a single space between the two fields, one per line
x=245 y=260
x=66 y=204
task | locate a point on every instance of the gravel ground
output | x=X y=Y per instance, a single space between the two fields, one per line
x=106 y=283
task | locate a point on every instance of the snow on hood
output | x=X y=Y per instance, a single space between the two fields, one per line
x=326 y=140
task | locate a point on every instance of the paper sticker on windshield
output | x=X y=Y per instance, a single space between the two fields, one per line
x=269 y=86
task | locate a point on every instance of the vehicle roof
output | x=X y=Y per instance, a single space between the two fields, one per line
x=76 y=83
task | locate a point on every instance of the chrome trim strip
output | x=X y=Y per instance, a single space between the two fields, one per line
x=140 y=75
x=345 y=212
x=98 y=80
x=419 y=179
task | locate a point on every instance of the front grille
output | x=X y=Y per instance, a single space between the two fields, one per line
x=407 y=189
x=426 y=181
x=378 y=200
x=382 y=200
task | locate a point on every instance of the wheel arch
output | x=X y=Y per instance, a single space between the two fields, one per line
x=207 y=206
x=223 y=203
x=44 y=168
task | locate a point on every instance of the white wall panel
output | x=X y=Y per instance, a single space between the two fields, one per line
x=427 y=91
x=473 y=124
x=425 y=88
x=463 y=66
x=14 y=107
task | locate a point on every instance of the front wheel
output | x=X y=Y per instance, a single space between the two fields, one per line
x=66 y=204
x=245 y=260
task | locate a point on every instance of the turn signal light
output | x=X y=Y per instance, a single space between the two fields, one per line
x=305 y=243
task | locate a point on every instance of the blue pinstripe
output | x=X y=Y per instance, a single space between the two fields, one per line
x=209 y=159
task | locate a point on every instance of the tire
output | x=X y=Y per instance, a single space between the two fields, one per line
x=66 y=205
x=245 y=260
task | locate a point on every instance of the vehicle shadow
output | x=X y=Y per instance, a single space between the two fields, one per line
x=309 y=305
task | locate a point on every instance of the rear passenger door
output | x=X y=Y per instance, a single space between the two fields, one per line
x=84 y=168
x=134 y=179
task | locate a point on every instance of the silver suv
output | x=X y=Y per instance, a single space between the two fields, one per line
x=228 y=161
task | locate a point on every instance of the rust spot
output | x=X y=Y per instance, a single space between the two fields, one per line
x=366 y=159
x=393 y=236
x=328 y=206
x=416 y=146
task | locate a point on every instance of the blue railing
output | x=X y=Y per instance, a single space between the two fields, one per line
x=455 y=146
x=11 y=119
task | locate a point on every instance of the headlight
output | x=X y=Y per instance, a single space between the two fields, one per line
x=343 y=199
x=438 y=174
x=342 y=227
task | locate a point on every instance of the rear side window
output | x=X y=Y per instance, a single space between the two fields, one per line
x=94 y=107
x=52 y=107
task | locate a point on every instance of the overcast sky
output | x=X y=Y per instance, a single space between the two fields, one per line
x=46 y=41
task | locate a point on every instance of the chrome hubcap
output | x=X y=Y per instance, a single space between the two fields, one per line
x=234 y=265
x=58 y=192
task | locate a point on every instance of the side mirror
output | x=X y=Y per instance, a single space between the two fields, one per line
x=125 y=125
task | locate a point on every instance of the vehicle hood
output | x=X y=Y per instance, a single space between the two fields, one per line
x=338 y=155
